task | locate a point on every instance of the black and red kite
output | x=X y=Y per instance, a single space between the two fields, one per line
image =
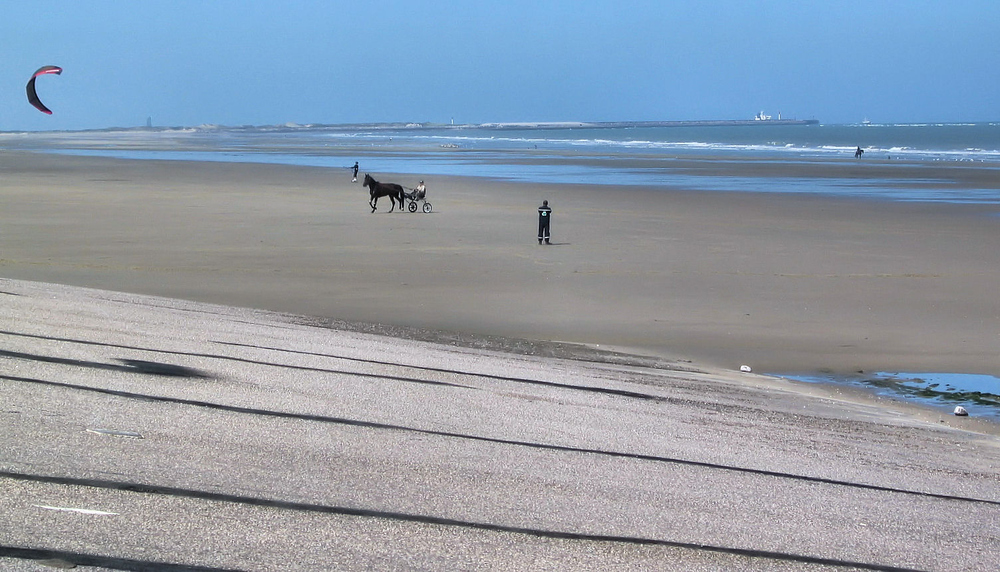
x=32 y=95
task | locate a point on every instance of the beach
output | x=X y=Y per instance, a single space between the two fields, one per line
x=784 y=283
x=238 y=366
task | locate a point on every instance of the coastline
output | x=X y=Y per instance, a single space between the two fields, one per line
x=784 y=283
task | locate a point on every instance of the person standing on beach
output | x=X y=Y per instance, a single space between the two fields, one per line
x=355 y=167
x=544 y=216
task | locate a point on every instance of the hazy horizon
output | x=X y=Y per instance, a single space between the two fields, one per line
x=403 y=124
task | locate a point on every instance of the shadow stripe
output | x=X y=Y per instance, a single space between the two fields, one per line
x=110 y=562
x=435 y=520
x=543 y=446
x=620 y=392
x=593 y=389
x=129 y=365
x=127 y=368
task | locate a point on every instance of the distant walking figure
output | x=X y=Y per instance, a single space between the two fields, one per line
x=355 y=179
x=859 y=153
x=544 y=216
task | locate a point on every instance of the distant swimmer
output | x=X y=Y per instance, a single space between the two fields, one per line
x=355 y=167
x=859 y=153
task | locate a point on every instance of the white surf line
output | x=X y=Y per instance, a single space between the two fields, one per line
x=76 y=510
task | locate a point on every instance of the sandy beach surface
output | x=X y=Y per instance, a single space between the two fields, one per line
x=156 y=434
x=212 y=366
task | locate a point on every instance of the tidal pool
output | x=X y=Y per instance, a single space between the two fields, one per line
x=979 y=394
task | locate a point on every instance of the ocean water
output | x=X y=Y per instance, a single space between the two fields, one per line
x=635 y=155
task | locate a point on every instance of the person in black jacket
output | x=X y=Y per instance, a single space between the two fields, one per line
x=544 y=216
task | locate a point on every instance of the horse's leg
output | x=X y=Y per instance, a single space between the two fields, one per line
x=373 y=203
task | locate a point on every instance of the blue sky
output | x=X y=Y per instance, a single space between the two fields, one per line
x=263 y=63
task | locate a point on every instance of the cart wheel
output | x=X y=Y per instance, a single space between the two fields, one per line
x=413 y=207
x=427 y=207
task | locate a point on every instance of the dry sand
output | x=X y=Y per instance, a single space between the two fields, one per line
x=148 y=433
x=783 y=283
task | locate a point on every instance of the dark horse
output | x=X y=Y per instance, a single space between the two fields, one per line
x=377 y=189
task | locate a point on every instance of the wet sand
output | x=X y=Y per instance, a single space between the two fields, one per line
x=783 y=283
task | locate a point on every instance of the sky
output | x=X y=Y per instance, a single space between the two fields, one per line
x=187 y=63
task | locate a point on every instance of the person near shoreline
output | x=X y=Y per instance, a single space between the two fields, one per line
x=859 y=153
x=355 y=167
x=420 y=192
x=544 y=217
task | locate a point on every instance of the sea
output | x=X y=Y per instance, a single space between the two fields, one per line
x=625 y=154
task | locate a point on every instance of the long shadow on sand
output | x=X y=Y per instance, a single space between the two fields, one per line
x=447 y=434
x=434 y=520
x=128 y=365
x=64 y=559
x=594 y=389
